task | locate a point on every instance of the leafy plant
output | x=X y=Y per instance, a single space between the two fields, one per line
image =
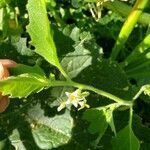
x=80 y=82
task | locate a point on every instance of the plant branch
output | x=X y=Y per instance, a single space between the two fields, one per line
x=93 y=89
x=138 y=94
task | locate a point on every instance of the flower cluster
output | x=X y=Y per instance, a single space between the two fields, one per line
x=76 y=98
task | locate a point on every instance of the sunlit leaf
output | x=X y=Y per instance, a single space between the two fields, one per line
x=109 y=118
x=76 y=61
x=16 y=141
x=40 y=31
x=23 y=85
x=48 y=132
x=22 y=69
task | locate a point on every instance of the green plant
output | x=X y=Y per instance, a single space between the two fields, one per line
x=75 y=72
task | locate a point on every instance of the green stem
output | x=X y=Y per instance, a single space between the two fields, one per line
x=142 y=89
x=130 y=117
x=63 y=72
x=128 y=27
x=138 y=94
x=116 y=105
x=123 y=9
x=90 y=88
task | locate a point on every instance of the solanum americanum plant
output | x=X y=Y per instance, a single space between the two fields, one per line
x=5 y=64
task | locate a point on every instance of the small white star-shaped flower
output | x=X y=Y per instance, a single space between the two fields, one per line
x=76 y=98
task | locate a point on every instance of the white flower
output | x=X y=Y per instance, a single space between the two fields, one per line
x=62 y=106
x=76 y=98
x=83 y=105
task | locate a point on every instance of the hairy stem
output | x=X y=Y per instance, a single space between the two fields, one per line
x=93 y=89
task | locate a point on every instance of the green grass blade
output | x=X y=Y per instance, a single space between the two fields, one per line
x=128 y=27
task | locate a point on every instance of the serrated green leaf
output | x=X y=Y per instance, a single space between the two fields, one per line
x=126 y=140
x=76 y=61
x=23 y=85
x=16 y=141
x=38 y=129
x=50 y=132
x=40 y=31
x=72 y=32
x=75 y=34
x=22 y=69
x=83 y=46
x=22 y=48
